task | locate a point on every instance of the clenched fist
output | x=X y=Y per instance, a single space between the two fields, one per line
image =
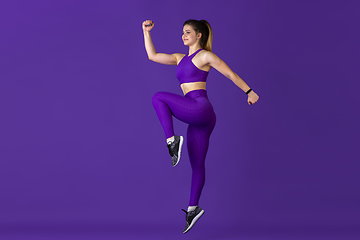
x=147 y=25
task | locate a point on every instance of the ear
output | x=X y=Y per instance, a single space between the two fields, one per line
x=199 y=35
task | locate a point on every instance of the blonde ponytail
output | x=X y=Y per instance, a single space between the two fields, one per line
x=208 y=45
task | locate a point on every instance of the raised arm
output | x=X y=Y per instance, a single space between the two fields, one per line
x=215 y=62
x=169 y=59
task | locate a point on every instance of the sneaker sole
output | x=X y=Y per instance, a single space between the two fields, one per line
x=194 y=221
x=179 y=153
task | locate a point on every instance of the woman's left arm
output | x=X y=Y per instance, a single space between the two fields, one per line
x=215 y=62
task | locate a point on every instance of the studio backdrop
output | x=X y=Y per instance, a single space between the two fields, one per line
x=80 y=141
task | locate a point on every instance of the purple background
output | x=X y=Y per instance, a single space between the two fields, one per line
x=83 y=155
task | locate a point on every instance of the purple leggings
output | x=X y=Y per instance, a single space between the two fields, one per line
x=195 y=109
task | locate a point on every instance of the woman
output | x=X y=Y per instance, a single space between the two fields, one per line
x=194 y=107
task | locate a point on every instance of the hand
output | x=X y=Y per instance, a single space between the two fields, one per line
x=147 y=28
x=252 y=98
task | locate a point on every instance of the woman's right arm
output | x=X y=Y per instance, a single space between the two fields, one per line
x=169 y=59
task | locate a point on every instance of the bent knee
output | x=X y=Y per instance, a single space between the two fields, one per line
x=157 y=99
x=157 y=96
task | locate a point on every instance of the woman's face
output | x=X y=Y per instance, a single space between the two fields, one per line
x=189 y=36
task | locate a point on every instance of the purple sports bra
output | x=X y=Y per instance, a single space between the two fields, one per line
x=187 y=72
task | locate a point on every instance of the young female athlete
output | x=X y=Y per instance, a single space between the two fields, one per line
x=194 y=108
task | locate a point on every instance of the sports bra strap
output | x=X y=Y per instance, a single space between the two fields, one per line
x=193 y=55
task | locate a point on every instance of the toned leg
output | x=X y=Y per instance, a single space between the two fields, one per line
x=197 y=143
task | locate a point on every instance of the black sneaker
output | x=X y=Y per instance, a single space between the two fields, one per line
x=192 y=217
x=175 y=149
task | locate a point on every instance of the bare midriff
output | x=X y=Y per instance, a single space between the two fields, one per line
x=188 y=87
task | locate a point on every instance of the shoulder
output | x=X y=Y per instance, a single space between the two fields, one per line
x=208 y=56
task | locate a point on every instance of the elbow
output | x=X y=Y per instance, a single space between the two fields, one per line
x=151 y=57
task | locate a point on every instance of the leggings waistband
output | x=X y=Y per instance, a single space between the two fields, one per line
x=196 y=93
